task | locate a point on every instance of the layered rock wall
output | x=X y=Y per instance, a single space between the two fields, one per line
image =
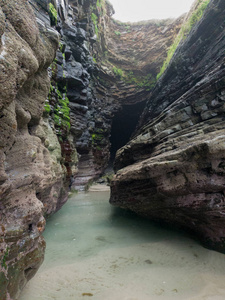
x=173 y=169
x=54 y=96
x=88 y=62
x=31 y=176
x=63 y=78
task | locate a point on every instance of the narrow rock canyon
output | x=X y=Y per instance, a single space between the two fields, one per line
x=79 y=90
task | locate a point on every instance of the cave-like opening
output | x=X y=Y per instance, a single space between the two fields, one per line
x=123 y=126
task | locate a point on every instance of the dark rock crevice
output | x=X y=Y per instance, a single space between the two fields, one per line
x=119 y=78
x=101 y=76
x=123 y=126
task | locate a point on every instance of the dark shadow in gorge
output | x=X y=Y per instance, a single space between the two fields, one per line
x=123 y=126
x=129 y=221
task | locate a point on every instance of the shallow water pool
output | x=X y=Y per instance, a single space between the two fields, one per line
x=95 y=251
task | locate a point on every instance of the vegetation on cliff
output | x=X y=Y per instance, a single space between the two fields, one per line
x=53 y=14
x=192 y=19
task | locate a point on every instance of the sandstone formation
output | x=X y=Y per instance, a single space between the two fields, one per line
x=61 y=84
x=105 y=92
x=173 y=168
x=31 y=176
x=97 y=71
x=71 y=80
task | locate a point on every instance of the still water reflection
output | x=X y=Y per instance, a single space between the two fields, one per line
x=95 y=251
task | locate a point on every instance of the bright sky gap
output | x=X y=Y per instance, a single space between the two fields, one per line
x=134 y=11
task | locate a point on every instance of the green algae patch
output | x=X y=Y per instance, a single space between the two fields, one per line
x=53 y=14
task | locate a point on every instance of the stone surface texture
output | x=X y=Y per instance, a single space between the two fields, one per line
x=31 y=175
x=55 y=101
x=64 y=79
x=173 y=168
x=93 y=51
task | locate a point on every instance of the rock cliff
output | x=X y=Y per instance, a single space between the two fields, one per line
x=70 y=80
x=61 y=83
x=173 y=168
x=97 y=68
x=109 y=56
x=31 y=175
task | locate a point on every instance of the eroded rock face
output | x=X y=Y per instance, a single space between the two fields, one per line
x=173 y=170
x=93 y=52
x=31 y=176
x=177 y=155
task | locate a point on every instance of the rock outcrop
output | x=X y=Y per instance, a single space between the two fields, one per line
x=99 y=69
x=173 y=168
x=31 y=175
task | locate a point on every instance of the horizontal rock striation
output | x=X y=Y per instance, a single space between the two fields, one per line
x=64 y=78
x=173 y=169
x=31 y=175
x=87 y=63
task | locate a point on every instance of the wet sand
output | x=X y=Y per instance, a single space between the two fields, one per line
x=95 y=251
x=99 y=188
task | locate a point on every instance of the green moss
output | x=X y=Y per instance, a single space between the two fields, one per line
x=147 y=82
x=196 y=16
x=96 y=138
x=47 y=107
x=61 y=47
x=4 y=258
x=62 y=111
x=184 y=31
x=94 y=19
x=118 y=33
x=118 y=72
x=99 y=4
x=51 y=88
x=53 y=14
x=100 y=130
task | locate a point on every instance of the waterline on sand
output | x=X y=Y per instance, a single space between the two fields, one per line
x=99 y=252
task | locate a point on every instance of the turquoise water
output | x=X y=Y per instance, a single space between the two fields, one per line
x=95 y=251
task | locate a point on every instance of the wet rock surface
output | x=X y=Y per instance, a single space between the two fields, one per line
x=31 y=176
x=64 y=78
x=91 y=54
x=172 y=170
x=57 y=105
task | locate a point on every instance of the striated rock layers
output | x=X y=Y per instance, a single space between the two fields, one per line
x=64 y=78
x=100 y=70
x=31 y=176
x=49 y=106
x=173 y=170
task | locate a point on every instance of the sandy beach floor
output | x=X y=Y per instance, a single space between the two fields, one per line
x=97 y=252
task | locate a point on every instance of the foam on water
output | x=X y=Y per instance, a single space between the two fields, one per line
x=95 y=251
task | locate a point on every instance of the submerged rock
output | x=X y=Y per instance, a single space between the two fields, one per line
x=173 y=169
